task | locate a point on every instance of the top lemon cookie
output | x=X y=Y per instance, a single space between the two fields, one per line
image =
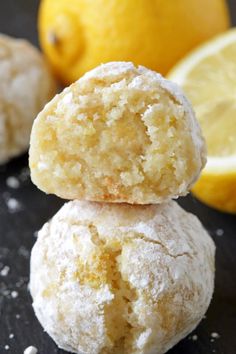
x=119 y=134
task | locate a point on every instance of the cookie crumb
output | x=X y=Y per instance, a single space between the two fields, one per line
x=7 y=347
x=31 y=350
x=11 y=336
x=215 y=335
x=5 y=270
x=12 y=182
x=17 y=316
x=194 y=337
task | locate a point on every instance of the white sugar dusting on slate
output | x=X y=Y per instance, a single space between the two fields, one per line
x=24 y=174
x=22 y=251
x=219 y=232
x=14 y=294
x=5 y=270
x=13 y=205
x=31 y=350
x=12 y=182
x=215 y=335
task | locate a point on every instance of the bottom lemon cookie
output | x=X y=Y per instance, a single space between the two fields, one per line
x=109 y=278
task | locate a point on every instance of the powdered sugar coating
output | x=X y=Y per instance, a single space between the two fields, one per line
x=25 y=86
x=119 y=68
x=108 y=278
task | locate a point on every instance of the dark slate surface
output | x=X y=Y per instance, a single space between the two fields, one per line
x=18 y=18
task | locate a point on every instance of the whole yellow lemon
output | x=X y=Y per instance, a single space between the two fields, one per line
x=77 y=35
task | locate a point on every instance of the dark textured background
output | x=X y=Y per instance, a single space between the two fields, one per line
x=18 y=18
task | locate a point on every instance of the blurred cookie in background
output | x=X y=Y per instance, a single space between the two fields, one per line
x=25 y=87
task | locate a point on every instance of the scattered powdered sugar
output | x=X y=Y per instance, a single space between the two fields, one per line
x=214 y=335
x=18 y=316
x=219 y=232
x=31 y=350
x=13 y=205
x=5 y=292
x=42 y=166
x=4 y=251
x=7 y=347
x=22 y=282
x=22 y=251
x=143 y=338
x=11 y=336
x=12 y=182
x=67 y=98
x=5 y=270
x=194 y=337
x=24 y=174
x=14 y=294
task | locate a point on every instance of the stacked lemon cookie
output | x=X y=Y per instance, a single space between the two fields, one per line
x=115 y=277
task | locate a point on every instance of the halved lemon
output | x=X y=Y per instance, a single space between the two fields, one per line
x=208 y=77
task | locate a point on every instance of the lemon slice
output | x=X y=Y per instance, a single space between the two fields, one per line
x=208 y=77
